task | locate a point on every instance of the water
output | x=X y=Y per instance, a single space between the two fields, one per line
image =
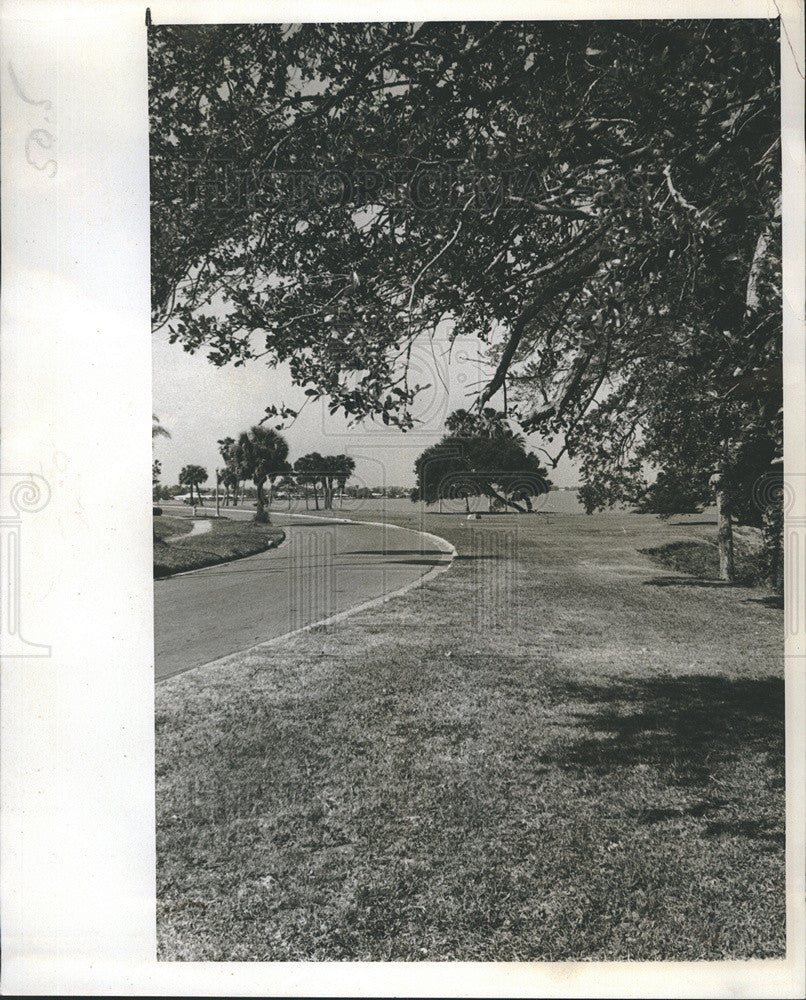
x=555 y=502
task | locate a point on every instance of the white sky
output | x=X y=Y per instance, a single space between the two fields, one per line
x=200 y=403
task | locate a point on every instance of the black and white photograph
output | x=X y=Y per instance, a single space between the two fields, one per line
x=446 y=635
x=468 y=490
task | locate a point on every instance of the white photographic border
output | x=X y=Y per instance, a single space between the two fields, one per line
x=77 y=889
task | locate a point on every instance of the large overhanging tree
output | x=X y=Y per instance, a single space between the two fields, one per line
x=599 y=201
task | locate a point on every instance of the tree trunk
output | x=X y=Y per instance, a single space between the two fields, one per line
x=316 y=496
x=505 y=501
x=724 y=532
x=260 y=515
x=772 y=533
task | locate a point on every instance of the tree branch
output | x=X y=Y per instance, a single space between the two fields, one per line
x=436 y=257
x=561 y=283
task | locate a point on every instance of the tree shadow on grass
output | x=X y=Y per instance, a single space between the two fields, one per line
x=693 y=581
x=418 y=562
x=752 y=828
x=771 y=601
x=687 y=726
x=649 y=816
x=482 y=557
x=396 y=552
x=693 y=524
x=312 y=523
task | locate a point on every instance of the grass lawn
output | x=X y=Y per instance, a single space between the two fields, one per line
x=226 y=540
x=556 y=750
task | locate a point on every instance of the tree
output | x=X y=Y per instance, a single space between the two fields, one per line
x=156 y=471
x=335 y=470
x=261 y=454
x=309 y=470
x=491 y=462
x=328 y=471
x=680 y=416
x=230 y=477
x=485 y=103
x=597 y=200
x=193 y=476
x=157 y=430
x=344 y=467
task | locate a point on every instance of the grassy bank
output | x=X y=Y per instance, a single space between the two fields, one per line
x=700 y=558
x=553 y=751
x=175 y=552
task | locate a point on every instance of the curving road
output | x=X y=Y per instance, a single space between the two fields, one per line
x=323 y=568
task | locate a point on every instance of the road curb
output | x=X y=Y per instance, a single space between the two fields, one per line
x=446 y=547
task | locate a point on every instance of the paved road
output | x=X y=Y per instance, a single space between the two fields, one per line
x=322 y=569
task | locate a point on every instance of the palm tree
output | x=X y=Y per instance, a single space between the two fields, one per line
x=193 y=475
x=330 y=468
x=157 y=430
x=156 y=471
x=229 y=480
x=282 y=470
x=229 y=477
x=311 y=469
x=345 y=467
x=261 y=454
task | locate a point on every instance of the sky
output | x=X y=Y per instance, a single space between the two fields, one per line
x=199 y=403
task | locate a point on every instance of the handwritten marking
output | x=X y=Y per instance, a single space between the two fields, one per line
x=40 y=138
